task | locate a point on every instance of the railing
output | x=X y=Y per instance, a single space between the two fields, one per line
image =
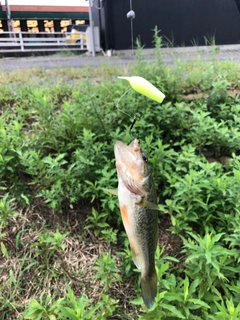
x=41 y=41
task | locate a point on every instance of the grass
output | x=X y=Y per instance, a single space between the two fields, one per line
x=64 y=252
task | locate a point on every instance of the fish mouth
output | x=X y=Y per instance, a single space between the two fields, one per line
x=127 y=154
x=129 y=165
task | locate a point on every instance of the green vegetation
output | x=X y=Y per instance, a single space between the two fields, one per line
x=64 y=252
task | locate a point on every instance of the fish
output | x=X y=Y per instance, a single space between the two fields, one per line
x=138 y=205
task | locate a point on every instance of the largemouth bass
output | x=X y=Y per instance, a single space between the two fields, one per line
x=138 y=206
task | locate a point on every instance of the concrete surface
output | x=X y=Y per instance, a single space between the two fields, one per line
x=126 y=57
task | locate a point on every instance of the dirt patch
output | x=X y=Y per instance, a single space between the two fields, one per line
x=28 y=258
x=202 y=95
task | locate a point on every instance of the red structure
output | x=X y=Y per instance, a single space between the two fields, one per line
x=43 y=16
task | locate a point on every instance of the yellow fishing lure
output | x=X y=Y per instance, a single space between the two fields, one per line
x=144 y=87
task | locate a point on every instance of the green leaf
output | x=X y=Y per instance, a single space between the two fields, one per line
x=208 y=256
x=161 y=295
x=185 y=288
x=215 y=264
x=37 y=315
x=235 y=289
x=199 y=302
x=194 y=285
x=172 y=296
x=230 y=306
x=68 y=312
x=137 y=301
x=221 y=308
x=89 y=314
x=170 y=258
x=194 y=256
x=34 y=311
x=4 y=250
x=173 y=310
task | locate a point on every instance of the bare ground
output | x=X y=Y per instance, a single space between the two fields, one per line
x=74 y=266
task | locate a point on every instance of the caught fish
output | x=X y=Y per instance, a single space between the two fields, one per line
x=138 y=206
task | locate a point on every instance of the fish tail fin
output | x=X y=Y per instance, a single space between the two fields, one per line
x=149 y=289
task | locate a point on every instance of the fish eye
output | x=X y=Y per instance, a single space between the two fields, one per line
x=144 y=157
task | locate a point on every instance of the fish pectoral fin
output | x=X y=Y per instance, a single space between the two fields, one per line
x=136 y=259
x=112 y=191
x=146 y=204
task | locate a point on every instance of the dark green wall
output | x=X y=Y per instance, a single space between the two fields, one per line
x=183 y=21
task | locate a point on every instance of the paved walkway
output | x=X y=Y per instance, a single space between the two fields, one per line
x=123 y=57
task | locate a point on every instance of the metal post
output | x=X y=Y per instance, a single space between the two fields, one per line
x=91 y=27
x=9 y=22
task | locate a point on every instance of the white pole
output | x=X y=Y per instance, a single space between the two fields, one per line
x=21 y=41
x=91 y=27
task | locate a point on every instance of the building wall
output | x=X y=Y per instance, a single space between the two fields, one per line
x=184 y=22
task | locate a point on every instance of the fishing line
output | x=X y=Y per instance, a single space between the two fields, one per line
x=127 y=114
x=120 y=100
x=131 y=24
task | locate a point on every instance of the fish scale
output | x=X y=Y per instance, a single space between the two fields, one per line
x=138 y=206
